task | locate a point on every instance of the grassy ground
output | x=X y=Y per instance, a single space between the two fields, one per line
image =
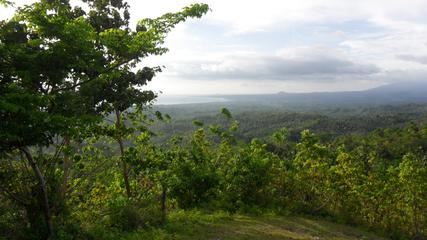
x=221 y=226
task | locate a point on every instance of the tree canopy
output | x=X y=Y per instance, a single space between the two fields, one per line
x=63 y=69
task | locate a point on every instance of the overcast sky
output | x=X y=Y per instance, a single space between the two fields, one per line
x=268 y=46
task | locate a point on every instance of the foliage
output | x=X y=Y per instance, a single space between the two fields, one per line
x=77 y=155
x=63 y=69
x=196 y=224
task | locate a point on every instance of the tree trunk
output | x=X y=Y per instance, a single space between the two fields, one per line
x=43 y=189
x=163 y=203
x=66 y=168
x=122 y=152
x=415 y=221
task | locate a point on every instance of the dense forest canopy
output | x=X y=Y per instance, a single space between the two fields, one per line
x=83 y=156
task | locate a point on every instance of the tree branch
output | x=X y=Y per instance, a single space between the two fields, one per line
x=118 y=64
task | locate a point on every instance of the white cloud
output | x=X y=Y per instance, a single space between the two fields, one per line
x=315 y=63
x=312 y=44
x=245 y=16
x=422 y=59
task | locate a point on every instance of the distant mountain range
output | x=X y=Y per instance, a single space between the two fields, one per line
x=410 y=92
x=391 y=94
x=412 y=95
x=408 y=87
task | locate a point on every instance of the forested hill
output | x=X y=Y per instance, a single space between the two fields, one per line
x=396 y=94
x=328 y=122
x=329 y=114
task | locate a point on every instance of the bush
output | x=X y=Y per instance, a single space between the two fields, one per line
x=124 y=215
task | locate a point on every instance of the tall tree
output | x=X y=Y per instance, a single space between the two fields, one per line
x=123 y=48
x=62 y=69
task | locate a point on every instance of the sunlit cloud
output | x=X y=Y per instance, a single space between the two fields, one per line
x=272 y=45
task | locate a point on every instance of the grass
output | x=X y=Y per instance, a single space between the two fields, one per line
x=222 y=226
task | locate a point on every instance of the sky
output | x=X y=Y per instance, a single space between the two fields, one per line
x=270 y=46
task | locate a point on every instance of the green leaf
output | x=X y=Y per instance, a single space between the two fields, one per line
x=226 y=113
x=197 y=123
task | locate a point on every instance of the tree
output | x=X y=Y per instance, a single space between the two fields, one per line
x=39 y=57
x=312 y=165
x=62 y=69
x=412 y=179
x=121 y=88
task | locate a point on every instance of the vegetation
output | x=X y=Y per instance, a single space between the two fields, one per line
x=78 y=158
x=62 y=70
x=257 y=121
x=196 y=225
x=377 y=180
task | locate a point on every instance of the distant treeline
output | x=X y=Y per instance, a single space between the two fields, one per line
x=328 y=123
